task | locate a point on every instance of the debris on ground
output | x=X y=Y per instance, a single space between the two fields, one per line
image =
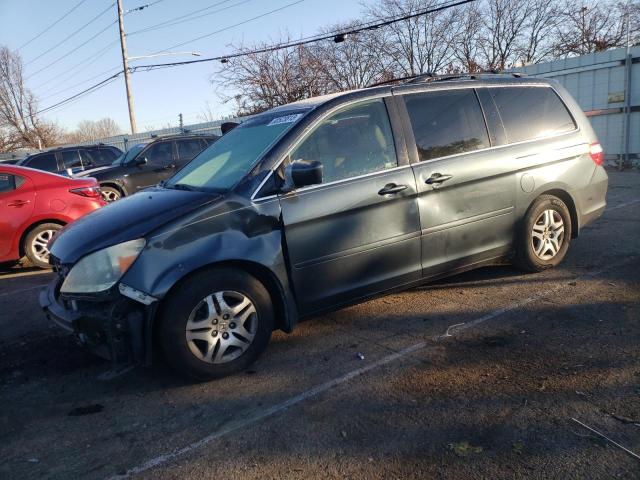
x=464 y=448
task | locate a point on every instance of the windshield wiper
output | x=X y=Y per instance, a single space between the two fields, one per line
x=182 y=186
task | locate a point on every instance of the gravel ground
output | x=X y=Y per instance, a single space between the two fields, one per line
x=493 y=397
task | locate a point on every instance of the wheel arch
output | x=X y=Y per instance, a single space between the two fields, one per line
x=281 y=310
x=569 y=202
x=29 y=229
x=114 y=184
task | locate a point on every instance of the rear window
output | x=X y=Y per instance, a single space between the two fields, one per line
x=446 y=123
x=45 y=162
x=7 y=182
x=531 y=112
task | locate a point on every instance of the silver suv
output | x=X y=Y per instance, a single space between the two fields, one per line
x=325 y=202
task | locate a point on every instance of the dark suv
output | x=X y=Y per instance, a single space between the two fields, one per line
x=148 y=163
x=69 y=160
x=318 y=204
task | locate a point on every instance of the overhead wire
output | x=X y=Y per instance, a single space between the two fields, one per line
x=74 y=33
x=232 y=26
x=183 y=18
x=308 y=40
x=51 y=26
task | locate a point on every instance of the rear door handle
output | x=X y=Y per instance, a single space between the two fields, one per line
x=18 y=203
x=392 y=188
x=437 y=178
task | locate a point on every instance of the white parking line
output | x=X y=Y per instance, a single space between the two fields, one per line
x=315 y=391
x=247 y=421
x=24 y=274
x=626 y=204
x=4 y=294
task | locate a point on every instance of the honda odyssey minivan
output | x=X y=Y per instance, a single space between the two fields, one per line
x=326 y=202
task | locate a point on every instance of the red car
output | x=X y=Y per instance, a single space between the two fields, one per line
x=34 y=205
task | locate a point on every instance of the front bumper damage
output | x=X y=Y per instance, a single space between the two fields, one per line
x=109 y=324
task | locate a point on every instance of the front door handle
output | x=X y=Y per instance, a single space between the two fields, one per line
x=169 y=167
x=392 y=188
x=437 y=178
x=18 y=203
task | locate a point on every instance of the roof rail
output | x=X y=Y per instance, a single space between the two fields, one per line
x=430 y=77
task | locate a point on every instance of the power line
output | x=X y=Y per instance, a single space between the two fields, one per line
x=72 y=50
x=70 y=72
x=142 y=7
x=86 y=80
x=182 y=19
x=84 y=92
x=232 y=26
x=305 y=41
x=313 y=39
x=71 y=35
x=51 y=26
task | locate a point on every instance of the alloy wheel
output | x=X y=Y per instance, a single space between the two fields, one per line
x=39 y=245
x=547 y=234
x=221 y=327
x=109 y=195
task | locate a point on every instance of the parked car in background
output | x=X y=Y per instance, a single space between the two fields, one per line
x=148 y=163
x=68 y=160
x=13 y=161
x=35 y=205
x=322 y=203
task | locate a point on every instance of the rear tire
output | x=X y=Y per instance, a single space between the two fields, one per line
x=110 y=194
x=215 y=323
x=544 y=236
x=35 y=244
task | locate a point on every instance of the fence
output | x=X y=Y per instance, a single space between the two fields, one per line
x=124 y=142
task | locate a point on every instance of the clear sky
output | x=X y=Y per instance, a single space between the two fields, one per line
x=159 y=95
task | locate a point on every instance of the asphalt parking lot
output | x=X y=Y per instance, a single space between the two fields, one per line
x=476 y=376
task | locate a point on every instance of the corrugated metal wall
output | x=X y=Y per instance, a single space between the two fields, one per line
x=597 y=82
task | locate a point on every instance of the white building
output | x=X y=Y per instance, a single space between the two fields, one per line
x=597 y=81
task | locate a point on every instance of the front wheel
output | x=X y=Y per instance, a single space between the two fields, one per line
x=36 y=244
x=215 y=323
x=545 y=234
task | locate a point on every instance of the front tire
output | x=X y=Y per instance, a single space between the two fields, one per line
x=36 y=241
x=215 y=323
x=545 y=235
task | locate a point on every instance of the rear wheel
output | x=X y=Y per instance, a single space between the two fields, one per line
x=110 y=194
x=36 y=244
x=216 y=323
x=545 y=234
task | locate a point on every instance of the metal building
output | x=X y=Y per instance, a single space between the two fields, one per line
x=607 y=87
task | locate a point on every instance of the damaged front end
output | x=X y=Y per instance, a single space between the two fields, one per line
x=114 y=324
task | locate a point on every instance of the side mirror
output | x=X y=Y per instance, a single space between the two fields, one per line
x=301 y=173
x=140 y=161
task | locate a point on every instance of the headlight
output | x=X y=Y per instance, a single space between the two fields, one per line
x=101 y=270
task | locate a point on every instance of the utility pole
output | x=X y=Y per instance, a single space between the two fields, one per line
x=181 y=124
x=125 y=66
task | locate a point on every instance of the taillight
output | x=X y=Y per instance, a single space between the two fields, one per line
x=91 y=192
x=597 y=154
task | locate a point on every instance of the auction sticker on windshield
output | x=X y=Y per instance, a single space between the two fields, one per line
x=284 y=119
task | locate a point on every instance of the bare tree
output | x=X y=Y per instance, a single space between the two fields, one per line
x=423 y=44
x=207 y=113
x=19 y=107
x=468 y=29
x=504 y=26
x=88 y=130
x=540 y=27
x=591 y=27
x=260 y=81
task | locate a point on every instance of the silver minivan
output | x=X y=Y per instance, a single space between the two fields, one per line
x=326 y=202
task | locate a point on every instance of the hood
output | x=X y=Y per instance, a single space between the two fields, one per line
x=127 y=219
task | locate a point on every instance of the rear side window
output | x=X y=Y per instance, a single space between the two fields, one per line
x=531 y=112
x=7 y=182
x=446 y=123
x=71 y=159
x=46 y=162
x=102 y=156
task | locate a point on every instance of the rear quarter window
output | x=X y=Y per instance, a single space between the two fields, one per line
x=46 y=162
x=529 y=113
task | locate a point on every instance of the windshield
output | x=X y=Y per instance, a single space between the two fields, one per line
x=127 y=156
x=224 y=163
